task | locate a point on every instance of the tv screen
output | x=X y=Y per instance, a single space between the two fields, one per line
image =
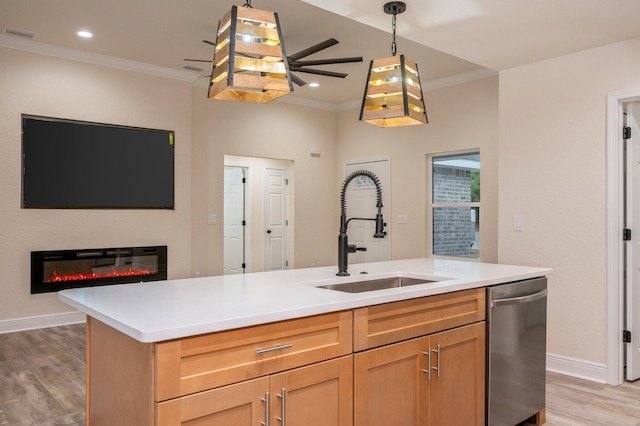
x=80 y=165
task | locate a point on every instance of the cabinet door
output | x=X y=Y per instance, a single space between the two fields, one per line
x=391 y=386
x=241 y=404
x=316 y=395
x=457 y=386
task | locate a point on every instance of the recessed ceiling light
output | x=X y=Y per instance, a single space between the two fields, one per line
x=84 y=34
x=314 y=84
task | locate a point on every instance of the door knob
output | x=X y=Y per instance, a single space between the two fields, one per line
x=268 y=231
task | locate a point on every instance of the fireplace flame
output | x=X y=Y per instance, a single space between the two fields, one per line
x=96 y=275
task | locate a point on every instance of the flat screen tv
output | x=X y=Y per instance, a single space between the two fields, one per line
x=80 y=165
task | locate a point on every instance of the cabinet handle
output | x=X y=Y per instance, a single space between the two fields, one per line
x=283 y=397
x=275 y=348
x=267 y=414
x=438 y=367
x=428 y=370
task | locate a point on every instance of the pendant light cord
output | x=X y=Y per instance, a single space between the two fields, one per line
x=393 y=42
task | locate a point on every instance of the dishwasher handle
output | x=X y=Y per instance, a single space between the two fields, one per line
x=527 y=298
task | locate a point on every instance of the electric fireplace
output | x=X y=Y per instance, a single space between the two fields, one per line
x=61 y=269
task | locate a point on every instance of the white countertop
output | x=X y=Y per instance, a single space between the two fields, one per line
x=164 y=310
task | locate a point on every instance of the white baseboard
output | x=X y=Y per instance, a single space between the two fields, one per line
x=579 y=368
x=42 y=321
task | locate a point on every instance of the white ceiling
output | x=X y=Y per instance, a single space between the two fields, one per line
x=475 y=34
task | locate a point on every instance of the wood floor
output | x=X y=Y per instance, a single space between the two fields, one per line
x=42 y=379
x=42 y=376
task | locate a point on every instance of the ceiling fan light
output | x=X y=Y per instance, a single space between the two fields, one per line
x=250 y=63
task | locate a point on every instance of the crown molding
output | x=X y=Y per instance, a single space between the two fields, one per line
x=94 y=58
x=440 y=83
x=196 y=79
x=428 y=86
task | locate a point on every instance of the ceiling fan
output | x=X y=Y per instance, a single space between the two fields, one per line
x=297 y=65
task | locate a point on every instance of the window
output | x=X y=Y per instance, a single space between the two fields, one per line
x=455 y=205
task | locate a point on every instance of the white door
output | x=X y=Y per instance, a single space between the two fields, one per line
x=361 y=201
x=275 y=208
x=633 y=246
x=234 y=220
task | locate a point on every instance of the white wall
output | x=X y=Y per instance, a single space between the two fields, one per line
x=552 y=171
x=47 y=86
x=461 y=117
x=274 y=130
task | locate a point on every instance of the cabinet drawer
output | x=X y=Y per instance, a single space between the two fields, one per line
x=393 y=322
x=203 y=362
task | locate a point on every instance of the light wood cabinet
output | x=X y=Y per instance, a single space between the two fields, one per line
x=431 y=380
x=303 y=369
x=193 y=364
x=388 y=389
x=421 y=361
x=319 y=394
x=222 y=378
x=457 y=387
x=397 y=321
x=238 y=404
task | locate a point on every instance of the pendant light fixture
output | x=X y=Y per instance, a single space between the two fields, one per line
x=249 y=61
x=393 y=94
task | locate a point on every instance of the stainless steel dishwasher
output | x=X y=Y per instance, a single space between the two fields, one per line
x=516 y=351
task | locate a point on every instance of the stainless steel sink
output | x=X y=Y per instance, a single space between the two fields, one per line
x=377 y=284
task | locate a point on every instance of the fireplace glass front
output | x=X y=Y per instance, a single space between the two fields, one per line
x=61 y=269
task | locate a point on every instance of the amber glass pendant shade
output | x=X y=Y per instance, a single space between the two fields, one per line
x=393 y=94
x=249 y=61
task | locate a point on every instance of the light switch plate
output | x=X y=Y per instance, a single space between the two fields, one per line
x=402 y=218
x=212 y=219
x=518 y=223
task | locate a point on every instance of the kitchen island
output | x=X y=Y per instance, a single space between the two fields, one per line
x=267 y=348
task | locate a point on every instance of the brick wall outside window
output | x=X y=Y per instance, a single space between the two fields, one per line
x=453 y=231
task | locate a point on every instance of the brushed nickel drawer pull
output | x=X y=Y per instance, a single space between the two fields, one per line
x=283 y=407
x=267 y=414
x=428 y=370
x=275 y=348
x=438 y=367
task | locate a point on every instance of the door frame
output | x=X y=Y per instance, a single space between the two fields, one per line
x=248 y=208
x=615 y=224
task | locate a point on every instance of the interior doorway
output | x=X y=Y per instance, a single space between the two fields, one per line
x=263 y=210
x=631 y=235
x=616 y=245
x=235 y=210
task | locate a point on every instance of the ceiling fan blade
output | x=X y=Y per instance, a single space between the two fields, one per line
x=209 y=42
x=319 y=72
x=327 y=61
x=297 y=80
x=197 y=60
x=313 y=49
